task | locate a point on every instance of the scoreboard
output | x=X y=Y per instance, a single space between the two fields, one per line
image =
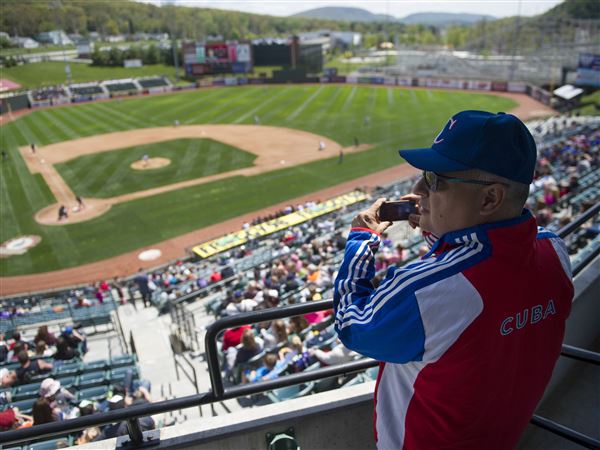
x=217 y=58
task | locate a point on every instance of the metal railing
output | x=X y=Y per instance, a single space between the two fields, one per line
x=219 y=393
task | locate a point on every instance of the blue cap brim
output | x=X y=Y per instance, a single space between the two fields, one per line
x=429 y=159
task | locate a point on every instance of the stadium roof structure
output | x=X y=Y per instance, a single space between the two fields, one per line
x=568 y=92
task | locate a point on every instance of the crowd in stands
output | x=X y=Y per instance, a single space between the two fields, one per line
x=36 y=385
x=48 y=93
x=567 y=177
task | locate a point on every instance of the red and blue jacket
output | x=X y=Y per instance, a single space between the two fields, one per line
x=468 y=336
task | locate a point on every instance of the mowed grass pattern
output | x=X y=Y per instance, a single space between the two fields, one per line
x=109 y=174
x=399 y=118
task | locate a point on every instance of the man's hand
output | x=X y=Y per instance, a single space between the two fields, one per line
x=370 y=218
x=413 y=219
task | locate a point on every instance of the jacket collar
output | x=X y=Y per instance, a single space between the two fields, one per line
x=479 y=234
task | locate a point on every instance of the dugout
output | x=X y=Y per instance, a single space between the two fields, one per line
x=14 y=103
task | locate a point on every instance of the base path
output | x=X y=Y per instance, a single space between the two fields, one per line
x=172 y=249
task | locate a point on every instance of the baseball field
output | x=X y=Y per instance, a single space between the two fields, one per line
x=233 y=151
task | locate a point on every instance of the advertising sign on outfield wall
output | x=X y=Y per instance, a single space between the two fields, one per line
x=499 y=86
x=281 y=223
x=404 y=81
x=514 y=86
x=478 y=85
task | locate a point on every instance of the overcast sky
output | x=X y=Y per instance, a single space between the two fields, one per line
x=397 y=8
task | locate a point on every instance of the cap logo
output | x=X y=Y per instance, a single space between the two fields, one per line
x=437 y=139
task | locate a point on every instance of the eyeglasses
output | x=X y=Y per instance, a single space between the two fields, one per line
x=432 y=180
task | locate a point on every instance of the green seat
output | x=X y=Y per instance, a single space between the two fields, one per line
x=24 y=406
x=121 y=361
x=326 y=384
x=358 y=379
x=70 y=368
x=118 y=375
x=26 y=391
x=91 y=379
x=94 y=366
x=372 y=372
x=290 y=392
x=67 y=382
x=95 y=394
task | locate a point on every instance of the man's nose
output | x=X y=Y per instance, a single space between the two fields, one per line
x=420 y=188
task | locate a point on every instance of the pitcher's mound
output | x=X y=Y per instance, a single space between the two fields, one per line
x=151 y=163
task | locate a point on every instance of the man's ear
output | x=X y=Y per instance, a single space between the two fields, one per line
x=492 y=198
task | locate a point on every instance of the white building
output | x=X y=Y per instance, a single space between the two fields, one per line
x=347 y=38
x=55 y=37
x=24 y=42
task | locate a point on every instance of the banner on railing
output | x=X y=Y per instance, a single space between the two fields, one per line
x=281 y=223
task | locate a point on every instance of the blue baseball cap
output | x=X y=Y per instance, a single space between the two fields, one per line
x=496 y=143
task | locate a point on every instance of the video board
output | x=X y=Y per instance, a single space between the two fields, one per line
x=217 y=58
x=588 y=70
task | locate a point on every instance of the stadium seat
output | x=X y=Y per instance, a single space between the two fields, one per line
x=95 y=394
x=24 y=406
x=52 y=444
x=372 y=372
x=26 y=391
x=290 y=392
x=121 y=361
x=91 y=379
x=94 y=366
x=69 y=368
x=326 y=384
x=358 y=379
x=67 y=382
x=118 y=375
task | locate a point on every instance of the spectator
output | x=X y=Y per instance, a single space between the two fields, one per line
x=59 y=398
x=30 y=369
x=233 y=336
x=75 y=339
x=267 y=371
x=142 y=282
x=44 y=335
x=338 y=354
x=7 y=378
x=42 y=412
x=275 y=336
x=88 y=435
x=297 y=325
x=250 y=348
x=42 y=350
x=3 y=348
x=11 y=419
x=64 y=352
x=120 y=429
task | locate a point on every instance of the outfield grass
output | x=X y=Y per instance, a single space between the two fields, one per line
x=400 y=118
x=590 y=102
x=108 y=174
x=52 y=73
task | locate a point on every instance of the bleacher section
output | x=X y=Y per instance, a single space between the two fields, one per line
x=118 y=88
x=64 y=313
x=155 y=85
x=87 y=92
